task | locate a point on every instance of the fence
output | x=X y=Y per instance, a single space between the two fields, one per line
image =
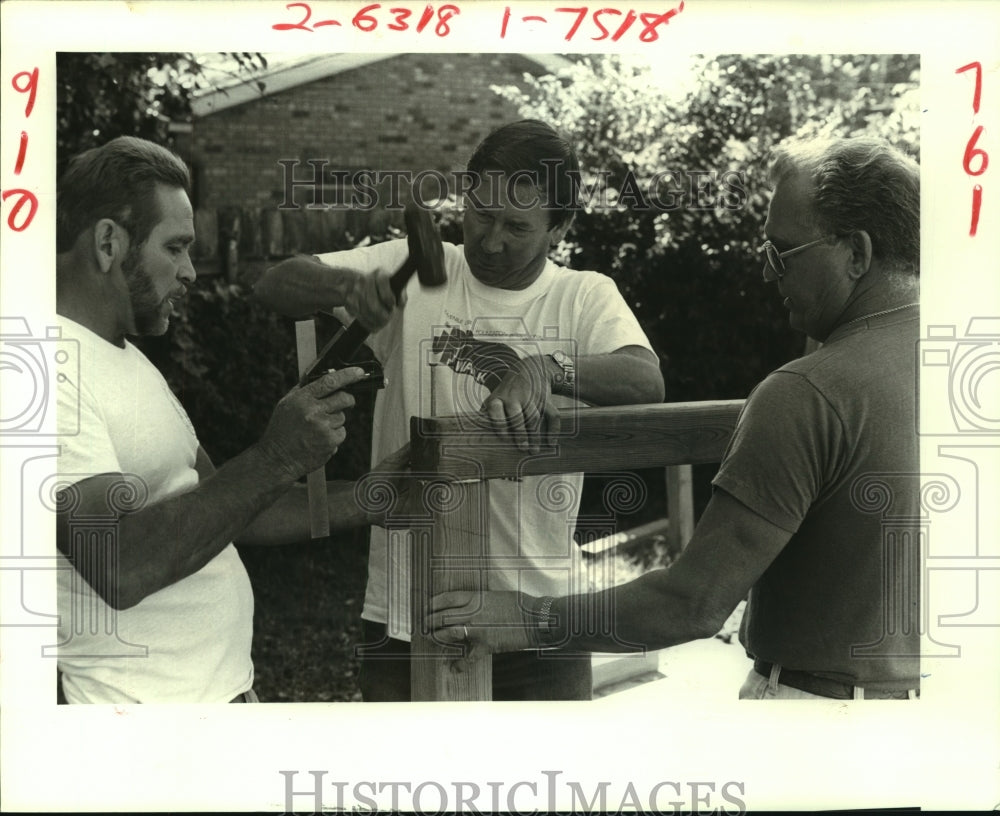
x=228 y=238
x=451 y=544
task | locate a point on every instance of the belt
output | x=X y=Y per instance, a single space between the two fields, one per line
x=823 y=686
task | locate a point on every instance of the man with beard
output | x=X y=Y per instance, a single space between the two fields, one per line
x=145 y=521
x=509 y=338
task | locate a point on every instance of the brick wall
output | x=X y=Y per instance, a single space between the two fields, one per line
x=410 y=112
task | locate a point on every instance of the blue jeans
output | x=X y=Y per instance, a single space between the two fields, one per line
x=529 y=675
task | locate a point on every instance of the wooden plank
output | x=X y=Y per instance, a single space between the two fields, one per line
x=293 y=230
x=206 y=231
x=680 y=507
x=591 y=440
x=274 y=234
x=251 y=233
x=449 y=555
x=319 y=513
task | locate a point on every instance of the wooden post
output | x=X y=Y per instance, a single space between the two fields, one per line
x=451 y=554
x=456 y=456
x=319 y=513
x=680 y=507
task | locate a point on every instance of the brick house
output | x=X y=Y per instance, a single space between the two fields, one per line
x=344 y=113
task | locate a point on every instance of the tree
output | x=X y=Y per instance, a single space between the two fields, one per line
x=104 y=95
x=684 y=252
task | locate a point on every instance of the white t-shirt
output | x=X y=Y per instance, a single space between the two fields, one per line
x=190 y=641
x=443 y=353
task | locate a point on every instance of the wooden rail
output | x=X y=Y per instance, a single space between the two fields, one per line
x=459 y=455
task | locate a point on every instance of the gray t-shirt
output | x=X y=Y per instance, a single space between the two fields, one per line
x=826 y=448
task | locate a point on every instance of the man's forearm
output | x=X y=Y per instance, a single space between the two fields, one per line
x=287 y=520
x=173 y=539
x=303 y=285
x=627 y=377
x=651 y=612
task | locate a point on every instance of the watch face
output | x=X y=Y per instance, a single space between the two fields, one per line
x=566 y=364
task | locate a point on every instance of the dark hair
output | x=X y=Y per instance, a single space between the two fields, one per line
x=118 y=181
x=531 y=149
x=862 y=183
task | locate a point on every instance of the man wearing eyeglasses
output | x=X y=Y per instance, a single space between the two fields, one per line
x=813 y=510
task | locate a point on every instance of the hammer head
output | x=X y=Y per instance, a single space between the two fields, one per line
x=426 y=251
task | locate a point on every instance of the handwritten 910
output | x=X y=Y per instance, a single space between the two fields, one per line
x=600 y=24
x=25 y=82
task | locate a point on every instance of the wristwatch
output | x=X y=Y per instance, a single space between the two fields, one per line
x=565 y=362
x=544 y=632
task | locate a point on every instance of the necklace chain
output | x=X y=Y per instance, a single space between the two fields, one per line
x=879 y=314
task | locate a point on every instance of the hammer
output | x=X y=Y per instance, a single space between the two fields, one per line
x=426 y=258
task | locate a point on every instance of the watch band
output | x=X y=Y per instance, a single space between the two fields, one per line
x=565 y=362
x=544 y=632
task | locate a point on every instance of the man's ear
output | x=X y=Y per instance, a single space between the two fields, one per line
x=860 y=243
x=110 y=243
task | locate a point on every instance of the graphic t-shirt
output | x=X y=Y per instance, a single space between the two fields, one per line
x=443 y=353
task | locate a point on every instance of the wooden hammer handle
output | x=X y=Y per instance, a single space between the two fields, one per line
x=349 y=341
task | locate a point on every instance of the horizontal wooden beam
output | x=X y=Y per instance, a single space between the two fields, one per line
x=592 y=440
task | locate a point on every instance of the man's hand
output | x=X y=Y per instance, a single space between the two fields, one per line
x=307 y=425
x=519 y=408
x=484 y=622
x=370 y=298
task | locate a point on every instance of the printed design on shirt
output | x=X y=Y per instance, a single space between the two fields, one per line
x=487 y=362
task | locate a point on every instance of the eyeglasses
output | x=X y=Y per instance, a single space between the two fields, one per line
x=774 y=266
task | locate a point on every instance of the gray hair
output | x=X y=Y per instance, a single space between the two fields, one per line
x=862 y=183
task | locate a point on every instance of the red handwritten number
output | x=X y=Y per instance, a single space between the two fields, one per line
x=581 y=16
x=977 y=203
x=506 y=19
x=629 y=19
x=299 y=25
x=22 y=150
x=30 y=88
x=401 y=15
x=597 y=21
x=302 y=24
x=425 y=18
x=445 y=13
x=364 y=20
x=973 y=152
x=979 y=82
x=651 y=21
x=24 y=197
